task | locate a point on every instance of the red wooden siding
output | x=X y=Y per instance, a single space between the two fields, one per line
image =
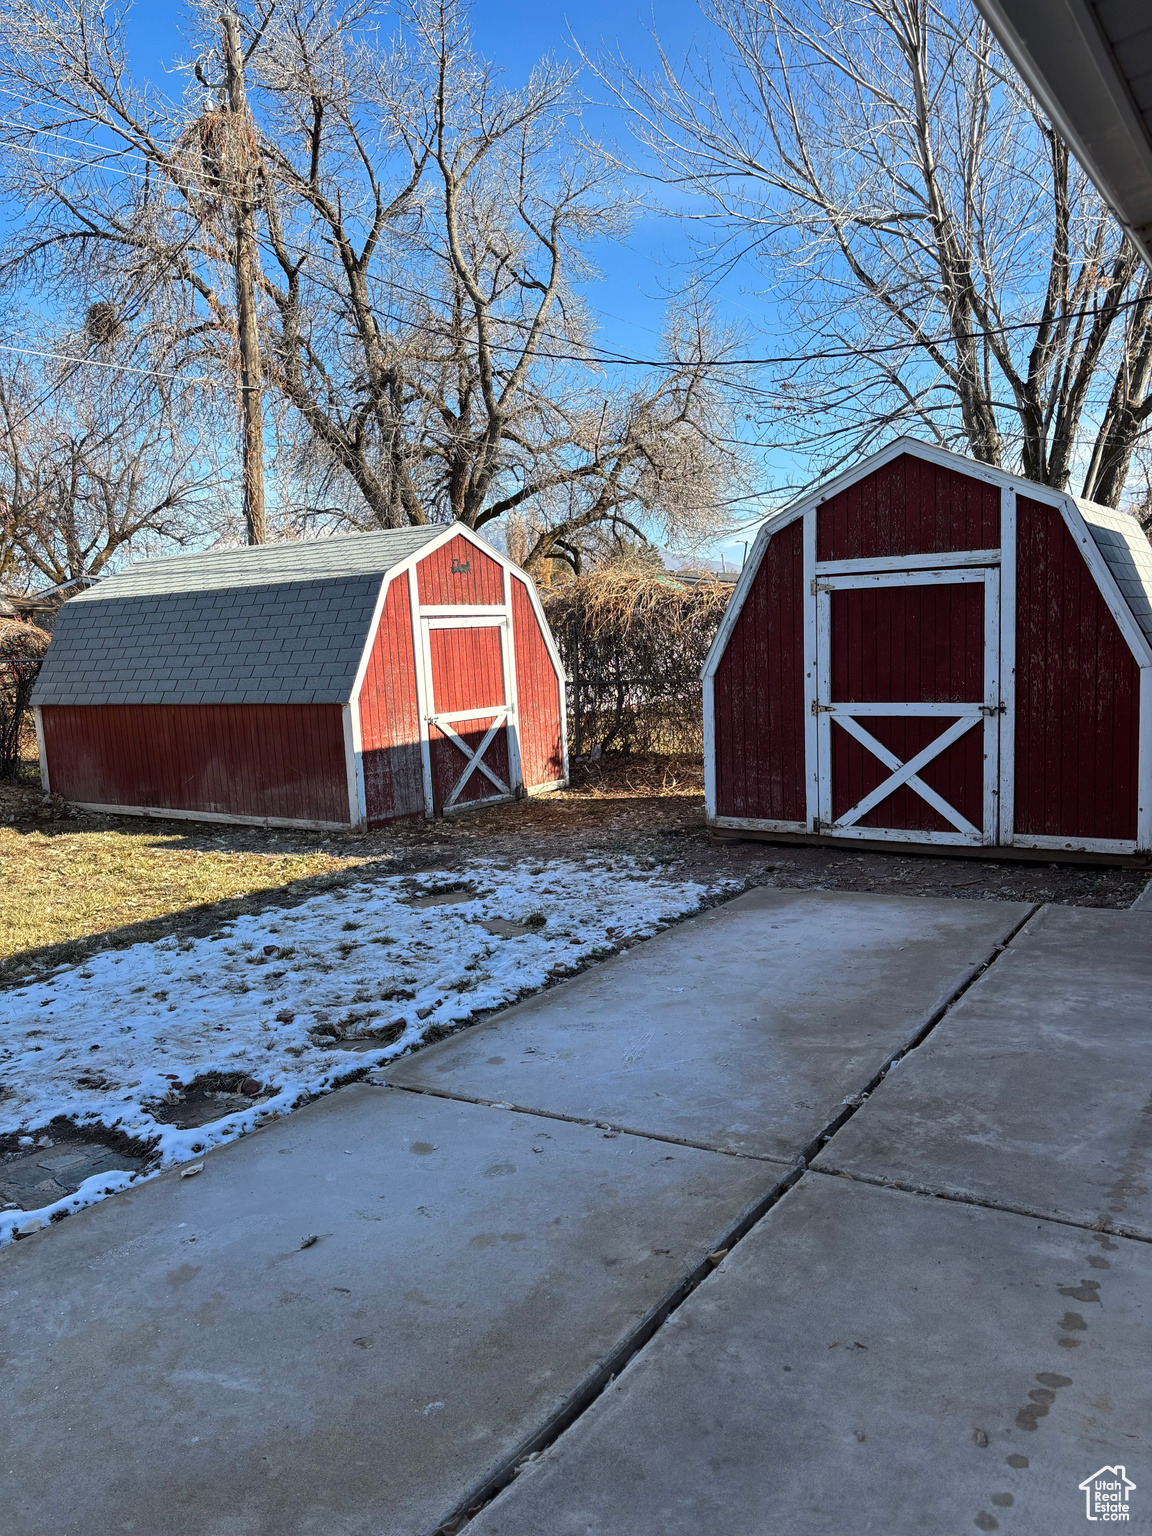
x=537 y=695
x=758 y=692
x=390 y=717
x=908 y=507
x=477 y=577
x=1077 y=692
x=901 y=644
x=282 y=760
x=467 y=668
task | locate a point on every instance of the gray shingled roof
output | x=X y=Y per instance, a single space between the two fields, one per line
x=1128 y=554
x=277 y=624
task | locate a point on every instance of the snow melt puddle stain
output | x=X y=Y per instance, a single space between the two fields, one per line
x=294 y=1002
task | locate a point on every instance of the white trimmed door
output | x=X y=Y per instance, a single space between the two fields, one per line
x=471 y=740
x=908 y=704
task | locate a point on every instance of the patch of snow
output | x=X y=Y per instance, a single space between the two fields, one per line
x=104 y=1042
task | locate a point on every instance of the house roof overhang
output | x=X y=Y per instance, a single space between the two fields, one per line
x=1089 y=64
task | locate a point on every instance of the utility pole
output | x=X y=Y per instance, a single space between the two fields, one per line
x=243 y=191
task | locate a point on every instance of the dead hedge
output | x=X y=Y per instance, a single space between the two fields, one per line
x=22 y=648
x=633 y=644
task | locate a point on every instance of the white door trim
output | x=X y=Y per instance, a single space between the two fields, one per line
x=918 y=577
x=938 y=562
x=965 y=715
x=501 y=715
x=423 y=689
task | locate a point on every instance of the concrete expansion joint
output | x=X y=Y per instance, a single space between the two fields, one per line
x=858 y=1100
x=1102 y=1224
x=609 y=1128
x=583 y=1399
x=587 y=1395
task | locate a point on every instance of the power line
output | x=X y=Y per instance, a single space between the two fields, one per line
x=94 y=362
x=623 y=359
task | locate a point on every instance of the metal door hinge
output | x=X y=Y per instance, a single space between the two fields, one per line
x=818 y=709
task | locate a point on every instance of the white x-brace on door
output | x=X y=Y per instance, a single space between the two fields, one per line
x=908 y=704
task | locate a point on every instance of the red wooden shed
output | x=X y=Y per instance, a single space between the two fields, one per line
x=929 y=651
x=330 y=683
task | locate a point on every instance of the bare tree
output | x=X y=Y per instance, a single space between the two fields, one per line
x=425 y=238
x=87 y=467
x=943 y=262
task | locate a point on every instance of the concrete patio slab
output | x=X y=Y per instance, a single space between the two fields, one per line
x=744 y=1029
x=1035 y=1091
x=868 y=1361
x=344 y=1324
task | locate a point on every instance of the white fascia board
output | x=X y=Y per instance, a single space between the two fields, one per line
x=1107 y=584
x=740 y=592
x=974 y=469
x=520 y=574
x=410 y=562
x=366 y=654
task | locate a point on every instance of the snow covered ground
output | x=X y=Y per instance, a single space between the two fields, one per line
x=281 y=999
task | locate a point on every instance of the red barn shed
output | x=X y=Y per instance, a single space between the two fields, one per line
x=929 y=651
x=333 y=683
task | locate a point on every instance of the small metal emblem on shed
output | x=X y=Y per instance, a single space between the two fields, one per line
x=928 y=651
x=330 y=683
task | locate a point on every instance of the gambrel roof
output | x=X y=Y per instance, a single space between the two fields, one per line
x=274 y=624
x=1123 y=569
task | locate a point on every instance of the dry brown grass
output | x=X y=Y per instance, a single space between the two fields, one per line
x=644 y=774
x=72 y=886
x=71 y=881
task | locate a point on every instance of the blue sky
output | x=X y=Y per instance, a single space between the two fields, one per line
x=515 y=35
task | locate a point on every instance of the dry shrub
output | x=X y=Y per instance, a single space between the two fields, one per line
x=633 y=643
x=22 y=648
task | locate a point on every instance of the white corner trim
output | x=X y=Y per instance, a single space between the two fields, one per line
x=709 y=704
x=42 y=750
x=1006 y=812
x=511 y=691
x=811 y=664
x=1144 y=773
x=354 y=764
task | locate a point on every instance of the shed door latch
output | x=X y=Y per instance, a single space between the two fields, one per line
x=993 y=709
